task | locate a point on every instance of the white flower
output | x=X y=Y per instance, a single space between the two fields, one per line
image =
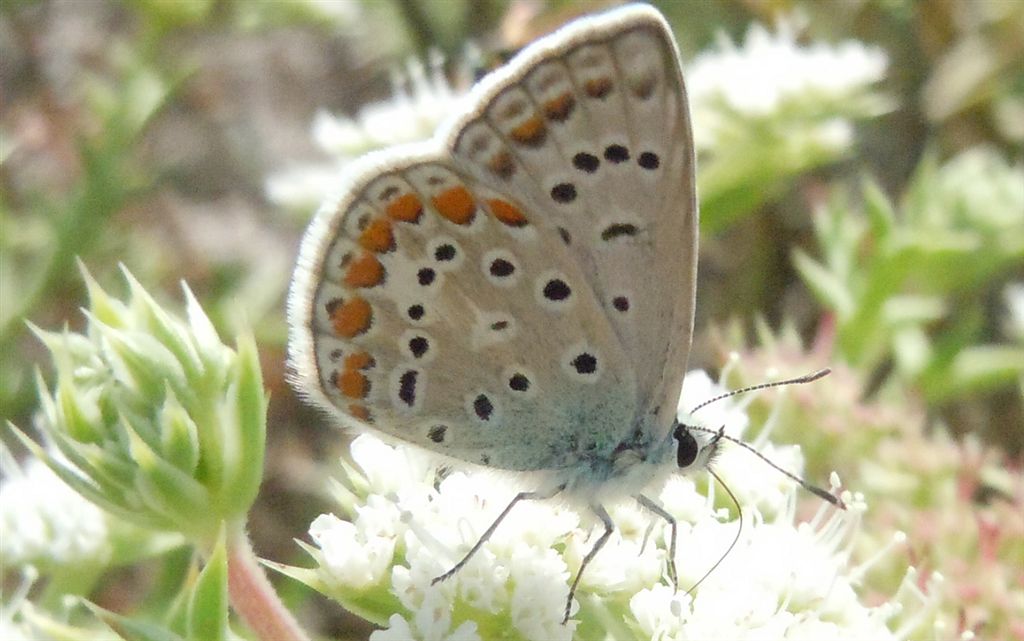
x=401 y=630
x=979 y=189
x=341 y=12
x=303 y=188
x=44 y=522
x=1013 y=294
x=781 y=579
x=353 y=557
x=770 y=73
x=770 y=69
x=422 y=98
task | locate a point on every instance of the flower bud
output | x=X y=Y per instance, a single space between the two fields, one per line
x=156 y=419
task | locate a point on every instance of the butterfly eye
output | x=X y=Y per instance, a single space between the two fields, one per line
x=687 y=451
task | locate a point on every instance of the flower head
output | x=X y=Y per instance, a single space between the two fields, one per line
x=770 y=70
x=409 y=521
x=422 y=98
x=1013 y=295
x=770 y=78
x=770 y=109
x=44 y=521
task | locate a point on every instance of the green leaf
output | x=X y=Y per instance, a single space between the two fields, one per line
x=374 y=604
x=102 y=306
x=824 y=284
x=143 y=364
x=983 y=367
x=249 y=408
x=132 y=629
x=164 y=327
x=78 y=414
x=879 y=209
x=208 y=607
x=77 y=483
x=168 y=491
x=900 y=311
x=179 y=438
x=212 y=352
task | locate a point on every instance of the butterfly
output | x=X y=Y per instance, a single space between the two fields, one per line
x=518 y=292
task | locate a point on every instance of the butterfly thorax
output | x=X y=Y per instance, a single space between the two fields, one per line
x=623 y=469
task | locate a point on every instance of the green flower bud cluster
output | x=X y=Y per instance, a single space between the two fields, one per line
x=152 y=417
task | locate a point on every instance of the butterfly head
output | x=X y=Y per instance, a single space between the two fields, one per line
x=695 y=449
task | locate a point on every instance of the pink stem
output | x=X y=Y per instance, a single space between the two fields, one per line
x=252 y=596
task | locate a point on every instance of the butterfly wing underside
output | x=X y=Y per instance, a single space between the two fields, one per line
x=457 y=298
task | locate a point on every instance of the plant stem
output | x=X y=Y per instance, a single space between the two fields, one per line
x=252 y=596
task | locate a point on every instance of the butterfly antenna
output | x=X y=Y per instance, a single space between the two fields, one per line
x=735 y=539
x=813 y=489
x=806 y=378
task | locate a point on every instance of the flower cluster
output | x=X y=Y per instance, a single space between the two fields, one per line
x=155 y=436
x=45 y=522
x=1014 y=296
x=405 y=522
x=422 y=98
x=771 y=77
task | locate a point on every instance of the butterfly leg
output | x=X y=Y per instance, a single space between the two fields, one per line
x=609 y=527
x=647 y=536
x=522 y=496
x=660 y=511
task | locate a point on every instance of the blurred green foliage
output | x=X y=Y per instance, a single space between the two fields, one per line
x=908 y=284
x=45 y=232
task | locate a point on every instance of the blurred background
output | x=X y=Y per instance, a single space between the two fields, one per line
x=861 y=187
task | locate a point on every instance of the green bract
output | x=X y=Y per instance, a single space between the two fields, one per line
x=154 y=418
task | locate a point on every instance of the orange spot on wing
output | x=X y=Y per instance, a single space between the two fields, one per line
x=358 y=360
x=455 y=204
x=507 y=213
x=353 y=384
x=377 y=236
x=598 y=87
x=359 y=411
x=406 y=208
x=558 y=109
x=643 y=86
x=365 y=271
x=531 y=133
x=502 y=165
x=350 y=318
